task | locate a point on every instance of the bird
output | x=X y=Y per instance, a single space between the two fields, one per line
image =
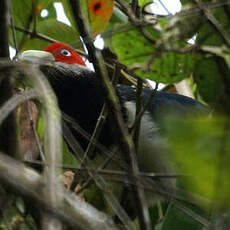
x=81 y=98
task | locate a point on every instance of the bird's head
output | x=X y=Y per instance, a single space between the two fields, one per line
x=57 y=51
x=64 y=53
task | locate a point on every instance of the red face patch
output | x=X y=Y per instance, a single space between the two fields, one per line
x=64 y=53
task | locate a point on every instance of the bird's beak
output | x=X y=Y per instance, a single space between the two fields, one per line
x=36 y=56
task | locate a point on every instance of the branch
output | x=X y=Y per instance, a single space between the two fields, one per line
x=44 y=37
x=126 y=143
x=53 y=146
x=217 y=26
x=14 y=102
x=28 y=183
x=8 y=136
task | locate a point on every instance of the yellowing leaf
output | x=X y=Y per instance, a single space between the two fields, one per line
x=99 y=13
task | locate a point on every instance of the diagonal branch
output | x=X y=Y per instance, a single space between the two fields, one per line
x=125 y=140
x=26 y=182
x=217 y=26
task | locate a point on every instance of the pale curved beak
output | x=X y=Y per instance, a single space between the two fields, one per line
x=36 y=56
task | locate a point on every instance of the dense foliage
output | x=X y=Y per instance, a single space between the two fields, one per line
x=148 y=46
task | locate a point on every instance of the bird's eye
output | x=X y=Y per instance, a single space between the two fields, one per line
x=65 y=53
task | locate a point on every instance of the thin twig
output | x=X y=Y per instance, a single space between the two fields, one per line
x=166 y=9
x=148 y=103
x=218 y=27
x=136 y=129
x=111 y=172
x=37 y=35
x=13 y=29
x=99 y=181
x=122 y=132
x=135 y=8
x=32 y=125
x=204 y=222
x=137 y=23
x=34 y=14
x=95 y=135
x=14 y=102
x=45 y=38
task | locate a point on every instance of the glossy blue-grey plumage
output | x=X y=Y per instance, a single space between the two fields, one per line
x=163 y=101
x=81 y=97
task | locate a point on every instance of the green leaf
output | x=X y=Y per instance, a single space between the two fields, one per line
x=26 y=19
x=209 y=34
x=135 y=51
x=48 y=5
x=206 y=75
x=221 y=51
x=117 y=17
x=169 y=68
x=22 y=12
x=180 y=28
x=68 y=157
x=144 y=2
x=212 y=78
x=131 y=46
x=55 y=30
x=177 y=219
x=200 y=149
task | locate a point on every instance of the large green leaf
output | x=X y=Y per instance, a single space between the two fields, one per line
x=212 y=74
x=213 y=81
x=55 y=30
x=207 y=76
x=22 y=15
x=25 y=13
x=209 y=34
x=48 y=5
x=22 y=12
x=48 y=25
x=134 y=50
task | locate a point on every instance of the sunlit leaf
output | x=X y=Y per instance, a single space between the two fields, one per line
x=144 y=2
x=25 y=12
x=55 y=30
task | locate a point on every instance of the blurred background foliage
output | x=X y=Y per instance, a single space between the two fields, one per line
x=159 y=48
